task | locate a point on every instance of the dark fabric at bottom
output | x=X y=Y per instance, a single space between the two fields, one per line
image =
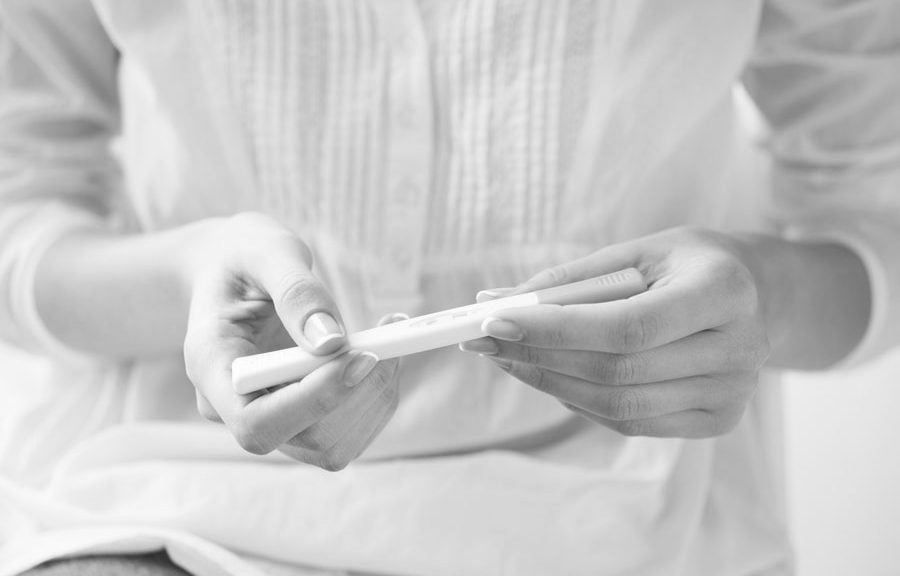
x=157 y=564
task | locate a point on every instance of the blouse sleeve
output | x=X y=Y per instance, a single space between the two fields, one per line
x=58 y=114
x=826 y=76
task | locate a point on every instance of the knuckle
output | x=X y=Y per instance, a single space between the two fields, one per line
x=749 y=352
x=191 y=372
x=725 y=425
x=614 y=368
x=734 y=354
x=722 y=422
x=734 y=279
x=625 y=404
x=298 y=288
x=250 y=440
x=734 y=391
x=539 y=379
x=559 y=274
x=390 y=395
x=762 y=350
x=748 y=385
x=299 y=247
x=380 y=376
x=732 y=420
x=529 y=355
x=191 y=367
x=553 y=276
x=738 y=277
x=315 y=439
x=602 y=367
x=206 y=410
x=631 y=428
x=533 y=376
x=638 y=332
x=321 y=405
x=332 y=462
x=555 y=337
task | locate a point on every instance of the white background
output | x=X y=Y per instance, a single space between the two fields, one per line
x=843 y=468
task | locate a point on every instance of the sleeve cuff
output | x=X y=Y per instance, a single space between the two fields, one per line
x=877 y=337
x=55 y=223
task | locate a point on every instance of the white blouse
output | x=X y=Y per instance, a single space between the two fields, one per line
x=425 y=149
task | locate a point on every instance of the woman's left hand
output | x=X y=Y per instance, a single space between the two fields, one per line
x=681 y=359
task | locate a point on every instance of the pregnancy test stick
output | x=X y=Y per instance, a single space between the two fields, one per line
x=252 y=373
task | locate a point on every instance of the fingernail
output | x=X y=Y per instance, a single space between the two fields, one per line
x=482 y=346
x=491 y=294
x=503 y=363
x=321 y=329
x=502 y=329
x=391 y=318
x=358 y=368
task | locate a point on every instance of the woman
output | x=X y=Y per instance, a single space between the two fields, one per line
x=290 y=171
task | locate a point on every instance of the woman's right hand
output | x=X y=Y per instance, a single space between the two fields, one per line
x=252 y=291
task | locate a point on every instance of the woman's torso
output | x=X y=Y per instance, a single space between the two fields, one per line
x=429 y=149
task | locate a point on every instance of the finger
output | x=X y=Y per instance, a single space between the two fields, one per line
x=351 y=448
x=653 y=318
x=343 y=435
x=260 y=422
x=347 y=417
x=687 y=424
x=634 y=402
x=210 y=346
x=707 y=352
x=304 y=305
x=272 y=419
x=206 y=409
x=605 y=261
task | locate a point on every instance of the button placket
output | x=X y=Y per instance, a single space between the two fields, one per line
x=405 y=233
x=409 y=153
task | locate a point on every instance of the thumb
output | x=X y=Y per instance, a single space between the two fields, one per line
x=302 y=302
x=604 y=261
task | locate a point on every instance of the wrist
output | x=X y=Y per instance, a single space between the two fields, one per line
x=768 y=259
x=190 y=244
x=115 y=295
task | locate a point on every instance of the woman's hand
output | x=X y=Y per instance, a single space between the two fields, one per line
x=252 y=291
x=678 y=360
